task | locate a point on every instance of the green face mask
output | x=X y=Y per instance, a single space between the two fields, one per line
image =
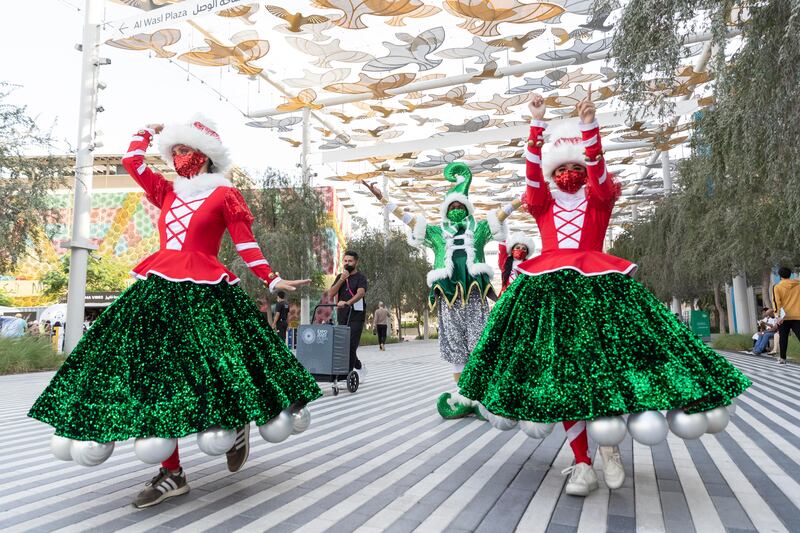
x=456 y=215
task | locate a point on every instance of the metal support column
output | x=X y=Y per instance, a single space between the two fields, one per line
x=742 y=308
x=84 y=163
x=305 y=301
x=666 y=172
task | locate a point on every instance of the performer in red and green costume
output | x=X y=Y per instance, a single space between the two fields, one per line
x=184 y=350
x=575 y=339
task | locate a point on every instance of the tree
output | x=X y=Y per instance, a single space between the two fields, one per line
x=736 y=209
x=25 y=182
x=104 y=274
x=395 y=270
x=289 y=225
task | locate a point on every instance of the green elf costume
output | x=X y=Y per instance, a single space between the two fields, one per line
x=460 y=281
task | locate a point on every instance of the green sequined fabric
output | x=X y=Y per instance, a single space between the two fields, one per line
x=563 y=346
x=168 y=359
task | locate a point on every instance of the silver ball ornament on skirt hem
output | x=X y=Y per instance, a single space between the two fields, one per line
x=717 y=419
x=277 y=429
x=90 y=453
x=687 y=426
x=607 y=430
x=154 y=450
x=502 y=423
x=215 y=440
x=301 y=420
x=648 y=427
x=60 y=446
x=536 y=430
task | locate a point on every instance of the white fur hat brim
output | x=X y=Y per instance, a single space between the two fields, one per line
x=190 y=135
x=456 y=197
x=563 y=146
x=520 y=238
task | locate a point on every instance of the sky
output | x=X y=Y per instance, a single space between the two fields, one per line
x=39 y=37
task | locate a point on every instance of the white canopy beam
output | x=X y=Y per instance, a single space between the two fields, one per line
x=477 y=137
x=450 y=81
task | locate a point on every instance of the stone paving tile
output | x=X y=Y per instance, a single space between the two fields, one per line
x=72 y=499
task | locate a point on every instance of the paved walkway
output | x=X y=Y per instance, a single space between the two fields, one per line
x=382 y=460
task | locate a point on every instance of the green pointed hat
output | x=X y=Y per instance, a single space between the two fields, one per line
x=460 y=174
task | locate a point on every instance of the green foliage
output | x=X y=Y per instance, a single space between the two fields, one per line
x=289 y=225
x=369 y=338
x=104 y=274
x=649 y=41
x=25 y=182
x=735 y=209
x=28 y=354
x=395 y=270
x=4 y=299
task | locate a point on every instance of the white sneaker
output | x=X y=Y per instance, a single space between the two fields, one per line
x=613 y=470
x=582 y=479
x=362 y=373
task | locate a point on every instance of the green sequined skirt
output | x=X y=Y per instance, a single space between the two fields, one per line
x=168 y=359
x=564 y=346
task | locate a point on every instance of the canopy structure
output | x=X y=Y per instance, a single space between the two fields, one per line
x=392 y=91
x=397 y=89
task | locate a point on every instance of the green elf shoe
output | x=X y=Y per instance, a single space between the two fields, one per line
x=450 y=406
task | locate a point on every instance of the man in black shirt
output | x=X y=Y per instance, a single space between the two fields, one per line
x=349 y=288
x=280 y=320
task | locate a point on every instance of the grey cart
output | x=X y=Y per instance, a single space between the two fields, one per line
x=324 y=350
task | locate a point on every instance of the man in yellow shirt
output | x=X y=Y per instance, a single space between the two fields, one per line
x=786 y=302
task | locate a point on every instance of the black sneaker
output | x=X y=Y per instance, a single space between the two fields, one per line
x=237 y=455
x=163 y=486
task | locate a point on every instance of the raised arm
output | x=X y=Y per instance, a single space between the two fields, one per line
x=407 y=218
x=537 y=193
x=239 y=221
x=600 y=184
x=497 y=218
x=417 y=223
x=154 y=184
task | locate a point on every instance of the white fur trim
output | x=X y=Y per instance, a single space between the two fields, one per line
x=630 y=271
x=456 y=197
x=198 y=281
x=186 y=133
x=477 y=269
x=520 y=238
x=589 y=127
x=435 y=275
x=554 y=155
x=273 y=283
x=418 y=232
x=569 y=201
x=457 y=398
x=539 y=123
x=533 y=183
x=499 y=229
x=192 y=187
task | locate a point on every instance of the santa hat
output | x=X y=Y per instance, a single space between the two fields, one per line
x=460 y=174
x=520 y=238
x=198 y=133
x=565 y=145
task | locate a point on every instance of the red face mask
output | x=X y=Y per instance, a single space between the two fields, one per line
x=519 y=254
x=570 y=180
x=189 y=165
